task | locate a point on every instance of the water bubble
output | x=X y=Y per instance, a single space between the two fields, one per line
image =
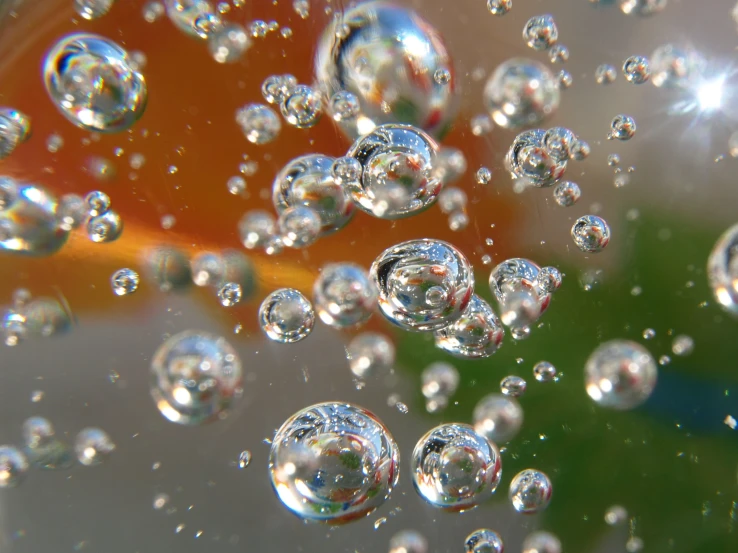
x=442 y=76
x=333 y=462
x=522 y=293
x=42 y=448
x=675 y=67
x=452 y=199
x=540 y=32
x=195 y=377
x=558 y=54
x=244 y=459
x=344 y=295
x=454 y=468
x=54 y=143
x=152 y=10
x=124 y=282
x=169 y=268
x=423 y=284
x=236 y=185
x=483 y=176
x=620 y=374
x=481 y=124
x=101 y=169
x=642 y=7
x=564 y=78
x=160 y=501
x=649 y=334
x=591 y=233
x=636 y=69
x=228 y=43
x=605 y=74
x=499 y=7
x=15 y=127
x=530 y=491
x=558 y=142
x=395 y=159
x=543 y=371
x=256 y=228
x=299 y=226
x=580 y=150
x=513 y=386
x=458 y=220
x=476 y=334
x=92 y=9
x=682 y=345
x=29 y=224
x=93 y=446
x=634 y=544
x=303 y=107
x=439 y=380
x=276 y=88
x=259 y=123
x=13 y=466
x=286 y=316
x=616 y=515
x=722 y=270
x=370 y=353
x=90 y=80
x=498 y=417
x=302 y=8
x=613 y=160
x=541 y=542
x=187 y=15
x=387 y=56
x=105 y=228
x=622 y=127
x=450 y=165
x=408 y=541
x=230 y=294
x=97 y=203
x=45 y=317
x=549 y=279
x=8 y=192
x=344 y=106
x=483 y=541
x=530 y=160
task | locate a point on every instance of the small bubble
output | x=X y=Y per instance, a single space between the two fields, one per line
x=620 y=374
x=499 y=7
x=664 y=360
x=622 y=127
x=54 y=143
x=259 y=123
x=92 y=9
x=257 y=228
x=481 y=124
x=408 y=541
x=616 y=515
x=303 y=107
x=230 y=294
x=558 y=54
x=483 y=175
x=276 y=88
x=236 y=185
x=634 y=545
x=636 y=69
x=168 y=221
x=105 y=228
x=591 y=233
x=642 y=8
x=442 y=76
x=93 y=446
x=620 y=180
x=649 y=334
x=97 y=203
x=344 y=106
x=402 y=408
x=13 y=466
x=530 y=491
x=605 y=74
x=286 y=316
x=540 y=32
x=160 y=501
x=541 y=542
x=682 y=345
x=299 y=226
x=513 y=386
x=302 y=8
x=458 y=220
x=370 y=353
x=636 y=291
x=566 y=193
x=124 y=282
x=37 y=396
x=244 y=459
x=483 y=541
x=565 y=79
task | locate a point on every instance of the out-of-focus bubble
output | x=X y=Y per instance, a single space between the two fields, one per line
x=244 y=459
x=605 y=73
x=566 y=193
x=722 y=270
x=124 y=282
x=54 y=143
x=483 y=541
x=105 y=228
x=513 y=386
x=370 y=353
x=93 y=446
x=8 y=192
x=101 y=169
x=308 y=181
x=454 y=468
x=616 y=515
x=580 y=150
x=230 y=294
x=408 y=541
x=256 y=228
x=92 y=9
x=228 y=43
x=207 y=269
x=558 y=142
x=333 y=462
x=13 y=466
x=97 y=202
x=642 y=7
x=186 y=13
x=499 y=7
x=450 y=165
x=483 y=176
x=439 y=380
x=423 y=284
x=498 y=417
x=675 y=67
x=276 y=88
x=90 y=80
x=636 y=69
x=620 y=374
x=452 y=199
x=195 y=377
x=169 y=268
x=591 y=233
x=344 y=106
x=286 y=316
x=236 y=185
x=152 y=10
x=540 y=32
x=564 y=79
x=530 y=160
x=302 y=8
x=344 y=295
x=15 y=128
x=558 y=54
x=42 y=448
x=46 y=317
x=549 y=279
x=346 y=169
x=299 y=226
x=259 y=123
x=682 y=345
x=530 y=491
x=541 y=541
x=481 y=124
x=622 y=127
x=511 y=98
x=476 y=334
x=303 y=107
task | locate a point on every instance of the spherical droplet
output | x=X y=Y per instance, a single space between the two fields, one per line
x=513 y=386
x=105 y=228
x=286 y=316
x=541 y=542
x=92 y=9
x=722 y=270
x=543 y=371
x=497 y=417
x=591 y=233
x=90 y=80
x=259 y=123
x=454 y=468
x=230 y=294
x=540 y=32
x=499 y=7
x=13 y=466
x=478 y=333
x=483 y=541
x=124 y=282
x=530 y=491
x=299 y=226
x=512 y=98
x=333 y=462
x=344 y=295
x=370 y=353
x=620 y=374
x=605 y=73
x=636 y=69
x=228 y=43
x=423 y=284
x=303 y=107
x=622 y=127
x=93 y=446
x=256 y=228
x=195 y=377
x=408 y=541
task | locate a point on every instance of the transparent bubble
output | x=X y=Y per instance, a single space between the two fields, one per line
x=54 y=143
x=616 y=515
x=333 y=462
x=478 y=333
x=42 y=448
x=276 y=88
x=207 y=269
x=511 y=97
x=124 y=282
x=458 y=220
x=160 y=501
x=636 y=69
x=344 y=106
x=12 y=130
x=286 y=316
x=302 y=8
x=195 y=377
x=483 y=176
x=303 y=107
x=530 y=160
x=244 y=459
x=230 y=294
x=580 y=150
x=675 y=67
x=722 y=270
x=622 y=127
x=259 y=123
x=101 y=169
x=530 y=491
x=13 y=466
x=483 y=541
x=105 y=228
x=256 y=228
x=423 y=284
x=452 y=199
x=92 y=9
x=370 y=353
x=439 y=380
x=549 y=279
x=152 y=10
x=682 y=345
x=97 y=202
x=345 y=170
x=564 y=79
x=499 y=7
x=299 y=226
x=543 y=371
x=387 y=56
x=642 y=7
x=558 y=142
x=408 y=541
x=591 y=233
x=186 y=13
x=228 y=43
x=498 y=417
x=454 y=468
x=90 y=80
x=308 y=181
x=395 y=157
x=558 y=54
x=344 y=295
x=442 y=76
x=513 y=386
x=8 y=192
x=620 y=374
x=522 y=293
x=540 y=32
x=450 y=165
x=605 y=74
x=29 y=224
x=236 y=185
x=541 y=542
x=481 y=124
x=93 y=446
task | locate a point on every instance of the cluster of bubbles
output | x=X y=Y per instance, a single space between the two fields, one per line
x=29 y=317
x=103 y=224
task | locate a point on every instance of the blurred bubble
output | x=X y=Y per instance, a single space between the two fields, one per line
x=15 y=128
x=344 y=295
x=439 y=380
x=682 y=345
x=605 y=74
x=28 y=224
x=513 y=386
x=92 y=9
x=530 y=491
x=299 y=226
x=186 y=13
x=344 y=106
x=722 y=270
x=169 y=268
x=13 y=466
x=541 y=541
x=259 y=123
x=620 y=374
x=478 y=333
x=530 y=160
x=408 y=541
x=675 y=67
x=43 y=449
x=124 y=282
x=452 y=199
x=256 y=228
x=616 y=515
x=286 y=316
x=543 y=371
x=105 y=228
x=93 y=446
x=228 y=43
x=642 y=7
x=498 y=417
x=370 y=353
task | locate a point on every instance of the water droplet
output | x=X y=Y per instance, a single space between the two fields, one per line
x=478 y=333
x=303 y=107
x=722 y=270
x=105 y=228
x=513 y=386
x=605 y=74
x=620 y=374
x=333 y=462
x=642 y=7
x=483 y=176
x=566 y=193
x=622 y=127
x=344 y=295
x=244 y=459
x=228 y=43
x=286 y=316
x=13 y=466
x=543 y=371
x=498 y=417
x=195 y=377
x=541 y=542
x=370 y=353
x=682 y=345
x=636 y=69
x=591 y=233
x=90 y=80
x=540 y=32
x=259 y=123
x=299 y=226
x=408 y=541
x=483 y=541
x=442 y=76
x=124 y=282
x=93 y=446
x=530 y=491
x=230 y=294
x=276 y=88
x=92 y=9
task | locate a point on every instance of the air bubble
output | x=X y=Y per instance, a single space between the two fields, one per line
x=105 y=228
x=642 y=7
x=303 y=107
x=92 y=9
x=124 y=282
x=540 y=32
x=369 y=354
x=13 y=466
x=591 y=233
x=286 y=316
x=230 y=294
x=636 y=69
x=228 y=43
x=478 y=333
x=530 y=491
x=344 y=295
x=605 y=74
x=408 y=541
x=722 y=270
x=498 y=417
x=620 y=374
x=499 y=7
x=543 y=371
x=344 y=106
x=513 y=386
x=256 y=228
x=260 y=125
x=93 y=446
x=483 y=541
x=622 y=127
x=541 y=542
x=299 y=226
